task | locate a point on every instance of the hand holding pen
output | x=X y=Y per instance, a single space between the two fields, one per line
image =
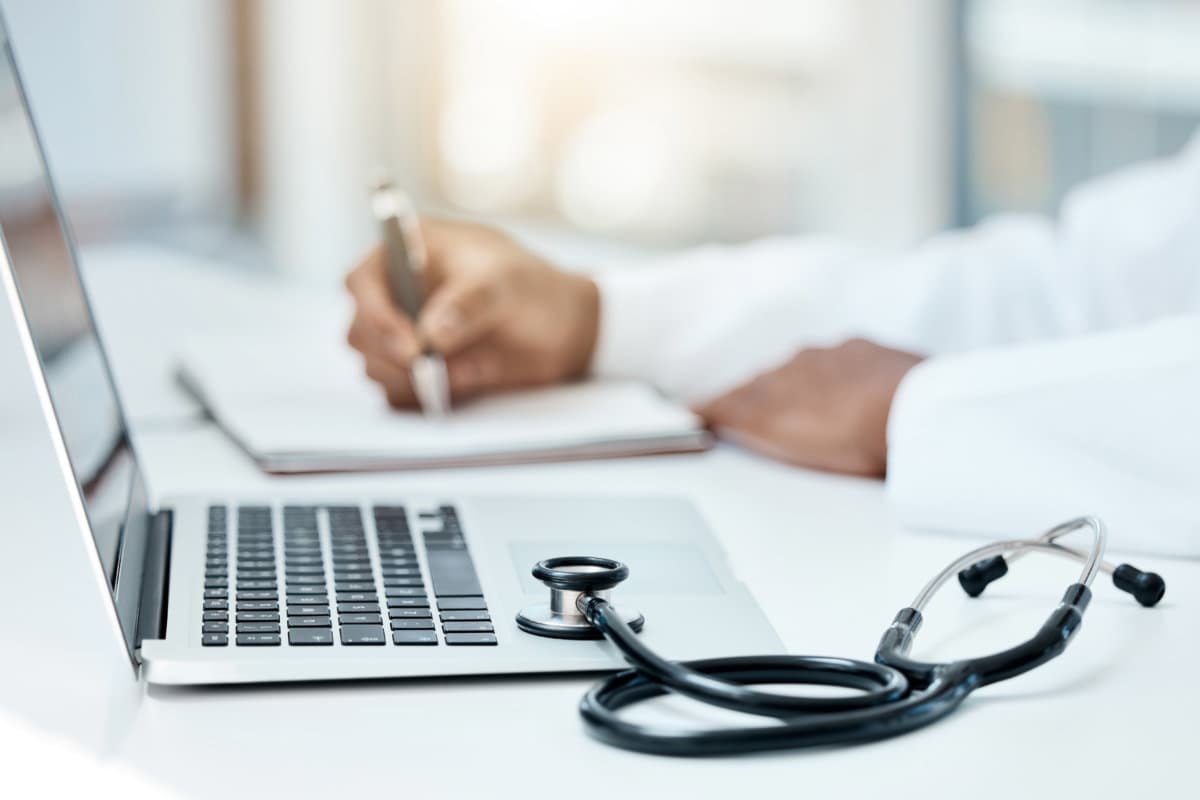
x=405 y=257
x=500 y=316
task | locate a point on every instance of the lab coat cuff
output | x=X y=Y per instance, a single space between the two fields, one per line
x=1012 y=440
x=624 y=343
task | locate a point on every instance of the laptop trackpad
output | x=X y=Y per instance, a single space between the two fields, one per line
x=654 y=567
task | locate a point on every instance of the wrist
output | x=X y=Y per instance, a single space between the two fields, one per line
x=583 y=323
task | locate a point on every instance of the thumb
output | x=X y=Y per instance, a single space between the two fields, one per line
x=461 y=313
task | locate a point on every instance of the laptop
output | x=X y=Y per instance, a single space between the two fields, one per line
x=242 y=589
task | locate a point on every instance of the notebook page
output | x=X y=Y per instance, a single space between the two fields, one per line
x=281 y=396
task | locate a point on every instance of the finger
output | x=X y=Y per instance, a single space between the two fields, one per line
x=434 y=235
x=736 y=408
x=461 y=314
x=379 y=325
x=754 y=442
x=394 y=380
x=399 y=346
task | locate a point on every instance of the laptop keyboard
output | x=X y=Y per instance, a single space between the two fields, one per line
x=340 y=586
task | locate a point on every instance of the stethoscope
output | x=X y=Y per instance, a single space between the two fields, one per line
x=896 y=694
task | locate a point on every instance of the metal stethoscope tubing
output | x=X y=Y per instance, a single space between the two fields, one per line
x=896 y=694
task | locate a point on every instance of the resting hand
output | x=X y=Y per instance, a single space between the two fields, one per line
x=826 y=408
x=502 y=317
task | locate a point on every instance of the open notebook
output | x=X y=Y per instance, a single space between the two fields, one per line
x=305 y=406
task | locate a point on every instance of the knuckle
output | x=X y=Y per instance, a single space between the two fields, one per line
x=398 y=396
x=856 y=344
x=395 y=399
x=354 y=336
x=478 y=295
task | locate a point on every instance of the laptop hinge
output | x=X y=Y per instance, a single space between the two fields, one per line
x=152 y=611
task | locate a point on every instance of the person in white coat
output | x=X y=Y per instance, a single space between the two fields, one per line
x=1001 y=377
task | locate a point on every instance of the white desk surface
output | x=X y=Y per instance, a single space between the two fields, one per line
x=1114 y=717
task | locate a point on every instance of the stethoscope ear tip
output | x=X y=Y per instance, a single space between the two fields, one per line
x=975 y=578
x=1146 y=587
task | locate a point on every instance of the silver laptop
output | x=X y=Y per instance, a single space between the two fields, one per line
x=249 y=589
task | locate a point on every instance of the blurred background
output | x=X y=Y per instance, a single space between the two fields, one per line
x=247 y=130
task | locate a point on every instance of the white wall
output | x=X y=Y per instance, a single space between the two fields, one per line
x=340 y=85
x=132 y=96
x=346 y=86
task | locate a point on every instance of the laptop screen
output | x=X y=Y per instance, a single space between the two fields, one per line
x=51 y=294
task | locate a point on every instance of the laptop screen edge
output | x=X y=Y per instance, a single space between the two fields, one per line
x=122 y=589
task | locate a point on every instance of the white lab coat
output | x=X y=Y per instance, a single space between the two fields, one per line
x=1064 y=369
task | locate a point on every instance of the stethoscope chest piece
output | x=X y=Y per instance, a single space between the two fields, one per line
x=570 y=580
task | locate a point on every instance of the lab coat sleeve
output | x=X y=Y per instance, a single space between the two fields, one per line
x=1009 y=441
x=1124 y=250
x=708 y=319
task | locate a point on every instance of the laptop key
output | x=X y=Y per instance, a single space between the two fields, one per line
x=362 y=635
x=414 y=637
x=254 y=574
x=258 y=594
x=461 y=604
x=396 y=552
x=352 y=576
x=401 y=572
x=359 y=619
x=300 y=637
x=410 y=613
x=405 y=591
x=358 y=608
x=307 y=600
x=309 y=622
x=467 y=627
x=257 y=639
x=214 y=594
x=293 y=590
x=465 y=616
x=305 y=580
x=216 y=627
x=408 y=602
x=355 y=587
x=216 y=605
x=256 y=585
x=471 y=638
x=357 y=597
x=214 y=640
x=258 y=627
x=404 y=583
x=258 y=616
x=304 y=569
x=216 y=616
x=412 y=624
x=308 y=611
x=258 y=605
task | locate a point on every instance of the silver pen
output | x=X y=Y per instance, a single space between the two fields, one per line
x=404 y=250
